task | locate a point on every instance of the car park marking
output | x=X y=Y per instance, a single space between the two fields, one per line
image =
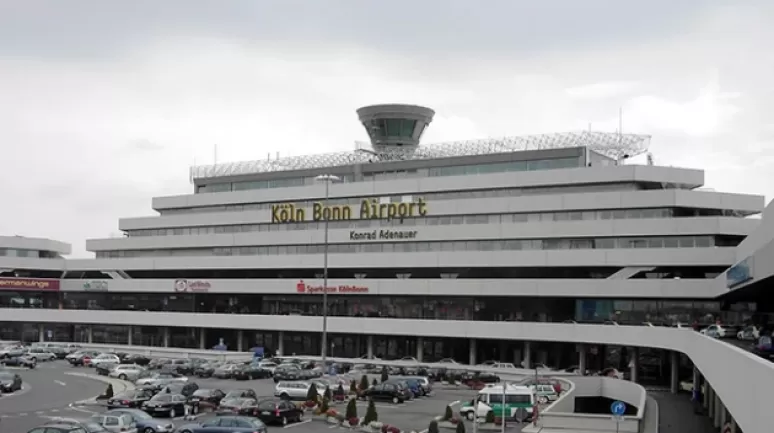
x=59 y=382
x=298 y=423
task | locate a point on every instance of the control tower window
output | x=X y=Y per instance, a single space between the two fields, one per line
x=393 y=128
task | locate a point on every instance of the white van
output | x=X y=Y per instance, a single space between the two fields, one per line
x=515 y=401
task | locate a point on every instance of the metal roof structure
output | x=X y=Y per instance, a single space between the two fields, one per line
x=613 y=145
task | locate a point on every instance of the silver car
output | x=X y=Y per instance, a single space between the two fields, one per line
x=115 y=423
x=129 y=372
x=159 y=379
x=296 y=390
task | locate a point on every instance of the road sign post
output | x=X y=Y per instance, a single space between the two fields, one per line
x=618 y=409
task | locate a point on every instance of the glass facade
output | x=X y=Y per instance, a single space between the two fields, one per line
x=420 y=247
x=16 y=252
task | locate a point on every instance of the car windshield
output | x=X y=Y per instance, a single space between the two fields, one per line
x=162 y=397
x=232 y=402
x=202 y=393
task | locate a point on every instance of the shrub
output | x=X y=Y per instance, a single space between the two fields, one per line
x=450 y=379
x=460 y=428
x=371 y=414
x=339 y=390
x=312 y=394
x=433 y=427
x=448 y=414
x=385 y=376
x=374 y=383
x=324 y=405
x=328 y=394
x=490 y=417
x=364 y=383
x=351 y=410
x=353 y=386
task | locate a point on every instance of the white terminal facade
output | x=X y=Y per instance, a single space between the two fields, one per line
x=433 y=251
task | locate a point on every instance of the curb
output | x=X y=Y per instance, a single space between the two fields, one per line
x=118 y=386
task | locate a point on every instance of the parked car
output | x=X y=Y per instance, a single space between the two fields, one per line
x=185 y=388
x=226 y=424
x=10 y=382
x=115 y=423
x=284 y=372
x=158 y=379
x=130 y=399
x=296 y=390
x=225 y=371
x=128 y=372
x=166 y=404
x=386 y=392
x=136 y=360
x=104 y=368
x=41 y=354
x=19 y=361
x=717 y=331
x=104 y=358
x=240 y=393
x=81 y=357
x=764 y=347
x=277 y=411
x=208 y=397
x=751 y=333
x=67 y=425
x=237 y=406
x=250 y=371
x=206 y=369
x=144 y=422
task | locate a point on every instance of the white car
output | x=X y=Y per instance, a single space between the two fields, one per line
x=749 y=333
x=129 y=372
x=268 y=366
x=40 y=354
x=296 y=390
x=716 y=331
x=104 y=358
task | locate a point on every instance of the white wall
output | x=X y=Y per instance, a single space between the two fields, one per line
x=36 y=244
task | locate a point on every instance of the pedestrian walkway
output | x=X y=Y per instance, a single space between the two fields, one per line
x=676 y=414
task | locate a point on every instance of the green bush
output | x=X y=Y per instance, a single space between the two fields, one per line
x=490 y=417
x=371 y=414
x=353 y=386
x=433 y=427
x=448 y=414
x=351 y=409
x=385 y=376
x=312 y=394
x=374 y=383
x=364 y=383
x=340 y=390
x=328 y=394
x=460 y=428
x=325 y=405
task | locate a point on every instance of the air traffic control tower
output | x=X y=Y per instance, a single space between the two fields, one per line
x=395 y=127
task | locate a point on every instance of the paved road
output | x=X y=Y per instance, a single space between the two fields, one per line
x=48 y=391
x=676 y=414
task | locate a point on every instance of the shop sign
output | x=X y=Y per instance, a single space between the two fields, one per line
x=302 y=287
x=382 y=235
x=31 y=284
x=192 y=286
x=95 y=286
x=371 y=209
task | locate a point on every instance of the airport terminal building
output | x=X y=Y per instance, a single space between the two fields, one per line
x=432 y=252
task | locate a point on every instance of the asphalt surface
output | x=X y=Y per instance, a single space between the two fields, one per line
x=676 y=414
x=48 y=391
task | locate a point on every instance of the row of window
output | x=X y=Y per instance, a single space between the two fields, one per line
x=415 y=222
x=414 y=247
x=17 y=252
x=460 y=170
x=447 y=195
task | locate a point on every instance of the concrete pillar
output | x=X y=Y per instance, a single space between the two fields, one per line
x=370 y=346
x=723 y=414
x=420 y=348
x=634 y=363
x=240 y=343
x=41 y=333
x=582 y=359
x=733 y=424
x=166 y=337
x=674 y=382
x=130 y=336
x=527 y=363
x=281 y=343
x=710 y=401
x=202 y=338
x=472 y=352
x=90 y=335
x=717 y=409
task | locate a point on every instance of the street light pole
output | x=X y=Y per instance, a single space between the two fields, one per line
x=327 y=178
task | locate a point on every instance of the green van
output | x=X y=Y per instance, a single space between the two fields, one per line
x=511 y=402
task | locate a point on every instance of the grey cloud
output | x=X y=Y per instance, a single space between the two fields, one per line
x=79 y=28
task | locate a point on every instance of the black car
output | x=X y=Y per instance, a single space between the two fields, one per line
x=131 y=399
x=226 y=424
x=188 y=367
x=241 y=393
x=251 y=371
x=287 y=372
x=171 y=405
x=20 y=361
x=144 y=422
x=10 y=382
x=206 y=397
x=237 y=406
x=278 y=411
x=206 y=369
x=386 y=392
x=187 y=389
x=136 y=359
x=104 y=368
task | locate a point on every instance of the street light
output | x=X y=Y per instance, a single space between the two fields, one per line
x=327 y=179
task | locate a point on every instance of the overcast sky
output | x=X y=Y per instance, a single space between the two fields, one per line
x=105 y=104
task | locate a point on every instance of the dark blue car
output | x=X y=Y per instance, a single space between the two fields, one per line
x=226 y=424
x=145 y=423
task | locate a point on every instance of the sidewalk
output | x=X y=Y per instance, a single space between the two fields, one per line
x=676 y=415
x=118 y=386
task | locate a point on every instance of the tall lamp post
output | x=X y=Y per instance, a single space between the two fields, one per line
x=327 y=179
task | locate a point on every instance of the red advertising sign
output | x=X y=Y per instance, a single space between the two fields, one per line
x=302 y=287
x=29 y=284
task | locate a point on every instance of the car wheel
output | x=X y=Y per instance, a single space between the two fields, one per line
x=33 y=359
x=122 y=376
x=172 y=413
x=542 y=399
x=300 y=417
x=469 y=415
x=148 y=430
x=395 y=400
x=284 y=420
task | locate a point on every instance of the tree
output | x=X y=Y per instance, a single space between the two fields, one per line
x=371 y=414
x=340 y=390
x=374 y=383
x=433 y=427
x=448 y=414
x=328 y=394
x=385 y=376
x=351 y=410
x=460 y=427
x=364 y=383
x=324 y=406
x=312 y=394
x=490 y=417
x=353 y=386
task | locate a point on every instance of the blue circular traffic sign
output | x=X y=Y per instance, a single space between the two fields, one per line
x=618 y=408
